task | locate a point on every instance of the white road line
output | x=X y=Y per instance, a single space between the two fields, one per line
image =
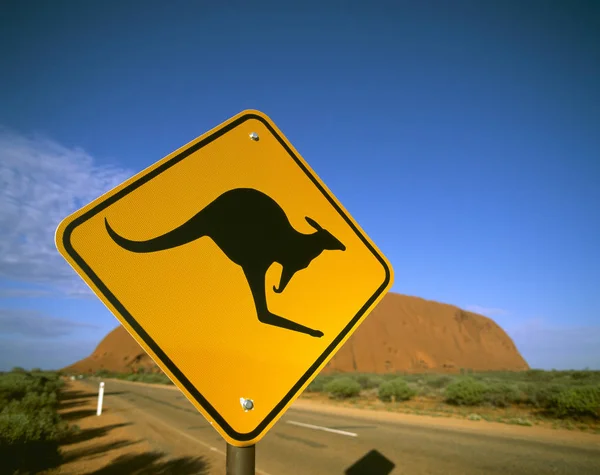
x=326 y=429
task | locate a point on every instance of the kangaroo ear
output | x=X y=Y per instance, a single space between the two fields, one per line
x=313 y=223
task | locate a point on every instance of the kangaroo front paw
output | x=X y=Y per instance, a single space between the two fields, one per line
x=316 y=333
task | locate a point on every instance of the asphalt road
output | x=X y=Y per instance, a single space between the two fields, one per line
x=308 y=442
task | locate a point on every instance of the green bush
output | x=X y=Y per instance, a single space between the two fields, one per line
x=502 y=394
x=14 y=386
x=342 y=388
x=103 y=373
x=22 y=424
x=33 y=402
x=539 y=395
x=396 y=389
x=584 y=375
x=29 y=441
x=438 y=382
x=577 y=402
x=368 y=381
x=30 y=391
x=318 y=384
x=154 y=378
x=30 y=427
x=539 y=375
x=466 y=392
x=426 y=391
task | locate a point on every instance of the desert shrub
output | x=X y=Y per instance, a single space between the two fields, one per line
x=396 y=389
x=30 y=390
x=342 y=388
x=24 y=423
x=368 y=381
x=30 y=427
x=318 y=384
x=426 y=391
x=414 y=378
x=14 y=386
x=439 y=381
x=576 y=402
x=155 y=378
x=51 y=382
x=583 y=376
x=33 y=402
x=539 y=375
x=133 y=377
x=103 y=373
x=540 y=395
x=466 y=392
x=29 y=441
x=502 y=394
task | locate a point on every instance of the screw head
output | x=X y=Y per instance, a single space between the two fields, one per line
x=254 y=136
x=247 y=404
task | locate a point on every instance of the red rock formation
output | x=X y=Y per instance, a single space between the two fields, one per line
x=402 y=334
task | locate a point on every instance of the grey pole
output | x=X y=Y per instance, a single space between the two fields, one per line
x=240 y=460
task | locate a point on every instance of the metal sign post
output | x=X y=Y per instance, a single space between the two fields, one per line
x=240 y=460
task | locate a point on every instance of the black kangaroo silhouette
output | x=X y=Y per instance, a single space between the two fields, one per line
x=254 y=232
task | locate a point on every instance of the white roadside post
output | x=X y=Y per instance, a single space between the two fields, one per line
x=100 y=397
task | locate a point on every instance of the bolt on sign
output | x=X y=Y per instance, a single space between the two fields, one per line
x=234 y=267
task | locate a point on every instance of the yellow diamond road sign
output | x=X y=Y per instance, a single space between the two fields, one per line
x=234 y=267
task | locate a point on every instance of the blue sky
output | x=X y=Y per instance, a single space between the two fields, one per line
x=464 y=137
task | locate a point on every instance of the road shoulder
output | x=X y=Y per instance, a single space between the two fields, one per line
x=118 y=441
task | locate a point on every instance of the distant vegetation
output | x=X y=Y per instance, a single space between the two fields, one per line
x=567 y=395
x=343 y=387
x=396 y=389
x=569 y=398
x=30 y=426
x=141 y=376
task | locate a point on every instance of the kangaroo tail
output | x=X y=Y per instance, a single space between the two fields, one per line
x=179 y=236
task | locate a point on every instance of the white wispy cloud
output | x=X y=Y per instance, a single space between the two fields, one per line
x=32 y=323
x=24 y=293
x=42 y=182
x=487 y=311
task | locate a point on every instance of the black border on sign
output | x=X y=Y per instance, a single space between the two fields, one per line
x=241 y=437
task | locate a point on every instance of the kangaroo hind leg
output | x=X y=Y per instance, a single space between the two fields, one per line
x=256 y=281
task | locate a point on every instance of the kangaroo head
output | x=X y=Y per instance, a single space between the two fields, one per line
x=327 y=240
